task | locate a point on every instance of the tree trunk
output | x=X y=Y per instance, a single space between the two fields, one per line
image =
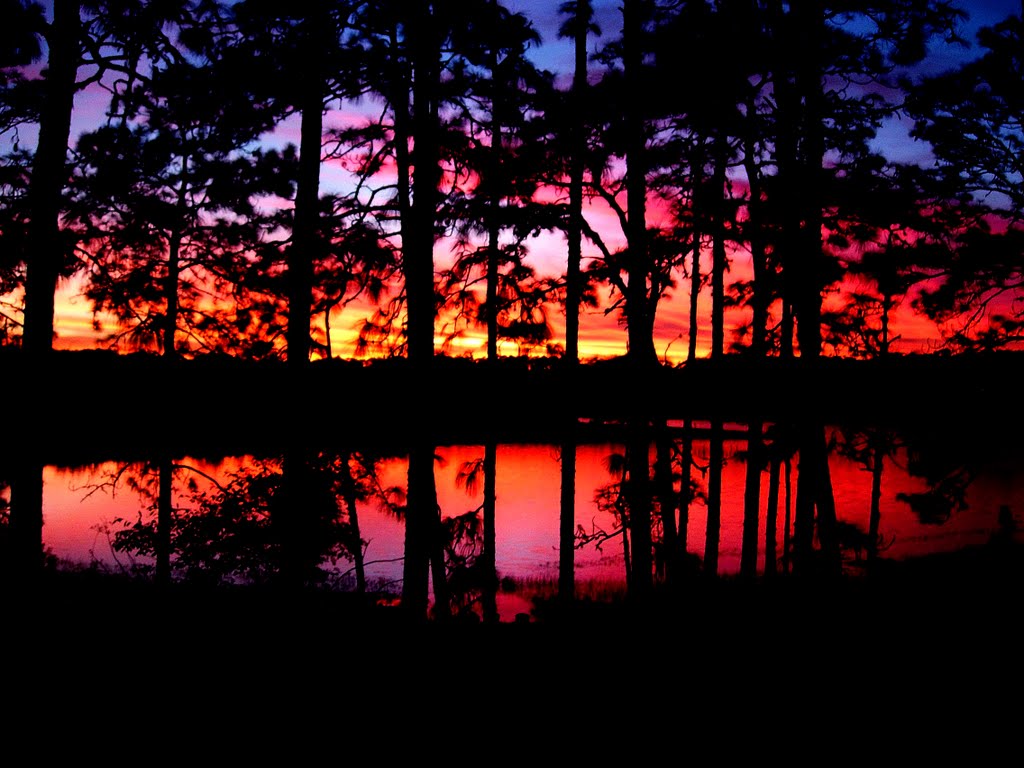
x=803 y=533
x=494 y=210
x=348 y=493
x=46 y=251
x=305 y=247
x=421 y=508
x=877 y=464
x=761 y=299
x=691 y=352
x=714 y=530
x=718 y=256
x=489 y=564
x=787 y=542
x=171 y=293
x=567 y=521
x=639 y=308
x=293 y=520
x=771 y=518
x=752 y=500
x=164 y=520
x=418 y=236
x=814 y=492
x=685 y=488
x=577 y=149
x=667 y=503
x=638 y=488
x=697 y=169
x=809 y=18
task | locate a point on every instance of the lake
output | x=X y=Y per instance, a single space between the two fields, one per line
x=295 y=517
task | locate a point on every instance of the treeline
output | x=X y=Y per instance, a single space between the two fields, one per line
x=751 y=126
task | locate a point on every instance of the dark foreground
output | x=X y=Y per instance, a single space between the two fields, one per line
x=924 y=656
x=938 y=605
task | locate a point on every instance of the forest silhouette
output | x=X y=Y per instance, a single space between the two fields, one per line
x=213 y=257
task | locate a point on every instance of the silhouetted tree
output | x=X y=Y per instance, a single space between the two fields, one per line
x=164 y=200
x=972 y=118
x=106 y=40
x=577 y=27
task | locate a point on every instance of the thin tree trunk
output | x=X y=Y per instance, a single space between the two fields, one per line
x=714 y=528
x=494 y=209
x=810 y=22
x=691 y=352
x=567 y=521
x=578 y=149
x=638 y=486
x=886 y=309
x=718 y=256
x=164 y=520
x=49 y=175
x=772 y=516
x=667 y=503
x=787 y=542
x=348 y=493
x=752 y=500
x=438 y=564
x=489 y=564
x=761 y=299
x=685 y=488
x=697 y=167
x=171 y=294
x=877 y=464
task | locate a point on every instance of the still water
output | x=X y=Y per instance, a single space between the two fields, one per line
x=106 y=516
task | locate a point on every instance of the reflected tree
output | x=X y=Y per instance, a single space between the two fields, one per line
x=277 y=522
x=567 y=517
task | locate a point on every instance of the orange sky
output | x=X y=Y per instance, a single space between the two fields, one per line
x=601 y=335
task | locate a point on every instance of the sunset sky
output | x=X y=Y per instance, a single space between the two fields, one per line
x=601 y=335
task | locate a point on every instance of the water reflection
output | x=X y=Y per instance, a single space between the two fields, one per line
x=486 y=530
